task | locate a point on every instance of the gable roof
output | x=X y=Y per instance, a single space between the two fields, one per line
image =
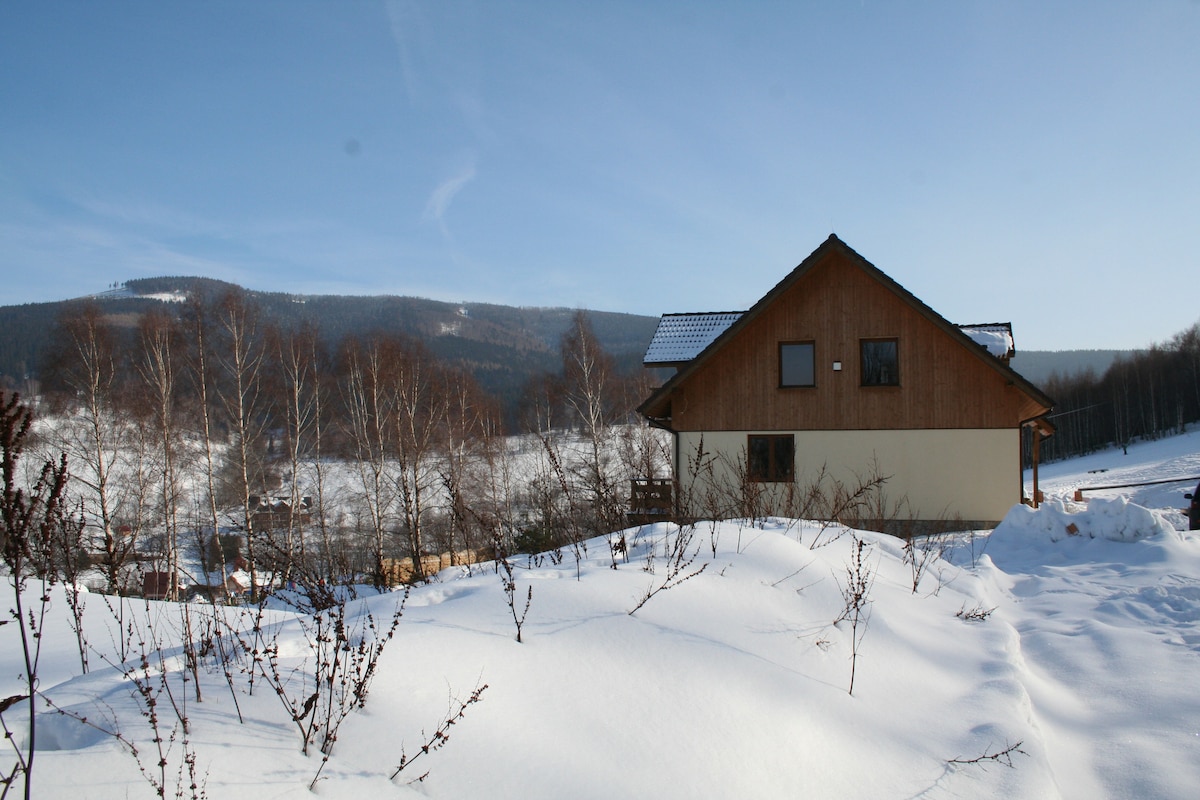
x=657 y=400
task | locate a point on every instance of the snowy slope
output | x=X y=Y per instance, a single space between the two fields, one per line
x=1175 y=458
x=732 y=683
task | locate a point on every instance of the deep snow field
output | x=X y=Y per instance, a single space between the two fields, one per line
x=1078 y=654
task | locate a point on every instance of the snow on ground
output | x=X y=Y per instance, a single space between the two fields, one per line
x=1079 y=649
x=1176 y=457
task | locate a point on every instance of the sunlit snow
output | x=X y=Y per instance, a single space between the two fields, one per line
x=1058 y=656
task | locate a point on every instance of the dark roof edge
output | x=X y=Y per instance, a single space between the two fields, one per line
x=698 y=313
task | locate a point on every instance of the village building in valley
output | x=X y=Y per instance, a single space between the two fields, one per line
x=838 y=374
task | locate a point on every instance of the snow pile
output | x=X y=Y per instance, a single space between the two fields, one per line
x=1108 y=642
x=1117 y=520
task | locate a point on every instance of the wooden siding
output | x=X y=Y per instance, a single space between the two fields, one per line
x=944 y=382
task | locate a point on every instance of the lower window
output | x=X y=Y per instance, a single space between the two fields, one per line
x=771 y=458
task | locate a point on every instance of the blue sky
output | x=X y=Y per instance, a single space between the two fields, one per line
x=1034 y=162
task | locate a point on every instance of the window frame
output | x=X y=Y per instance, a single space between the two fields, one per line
x=863 y=361
x=812 y=347
x=778 y=470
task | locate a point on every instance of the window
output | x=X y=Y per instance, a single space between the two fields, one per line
x=880 y=362
x=771 y=459
x=796 y=364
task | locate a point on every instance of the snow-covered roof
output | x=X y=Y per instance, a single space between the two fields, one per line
x=996 y=337
x=682 y=337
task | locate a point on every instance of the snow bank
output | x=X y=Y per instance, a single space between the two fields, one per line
x=1116 y=520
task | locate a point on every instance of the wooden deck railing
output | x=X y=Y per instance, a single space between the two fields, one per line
x=650 y=500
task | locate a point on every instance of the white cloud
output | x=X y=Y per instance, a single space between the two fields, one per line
x=404 y=21
x=441 y=198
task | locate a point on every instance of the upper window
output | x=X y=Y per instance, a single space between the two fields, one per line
x=771 y=458
x=880 y=362
x=796 y=364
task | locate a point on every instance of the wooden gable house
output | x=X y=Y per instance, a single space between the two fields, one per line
x=840 y=371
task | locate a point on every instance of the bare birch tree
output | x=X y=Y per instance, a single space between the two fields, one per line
x=300 y=364
x=370 y=419
x=589 y=380
x=239 y=356
x=420 y=420
x=85 y=362
x=471 y=422
x=156 y=364
x=197 y=321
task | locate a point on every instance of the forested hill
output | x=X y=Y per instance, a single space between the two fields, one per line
x=501 y=345
x=1038 y=366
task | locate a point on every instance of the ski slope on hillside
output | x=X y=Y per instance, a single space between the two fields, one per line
x=1032 y=661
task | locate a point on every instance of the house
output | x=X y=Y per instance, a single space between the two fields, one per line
x=275 y=513
x=838 y=373
x=159 y=585
x=237 y=583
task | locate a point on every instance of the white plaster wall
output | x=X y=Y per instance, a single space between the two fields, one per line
x=972 y=473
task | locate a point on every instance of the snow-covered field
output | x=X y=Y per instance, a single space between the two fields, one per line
x=1033 y=662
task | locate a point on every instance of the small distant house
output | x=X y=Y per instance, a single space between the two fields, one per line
x=237 y=583
x=160 y=585
x=840 y=371
x=273 y=513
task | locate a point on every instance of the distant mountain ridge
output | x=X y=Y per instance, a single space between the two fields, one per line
x=501 y=345
x=1039 y=365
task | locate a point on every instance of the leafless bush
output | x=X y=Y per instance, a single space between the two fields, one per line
x=977 y=550
x=721 y=486
x=846 y=503
x=344 y=655
x=680 y=555
x=155 y=774
x=737 y=496
x=33 y=516
x=456 y=710
x=143 y=659
x=698 y=494
x=217 y=647
x=252 y=646
x=570 y=519
x=920 y=553
x=975 y=614
x=504 y=569
x=151 y=681
x=856 y=596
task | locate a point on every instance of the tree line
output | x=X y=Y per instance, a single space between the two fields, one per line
x=214 y=434
x=1147 y=395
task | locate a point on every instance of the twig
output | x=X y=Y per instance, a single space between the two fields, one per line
x=998 y=757
x=442 y=735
